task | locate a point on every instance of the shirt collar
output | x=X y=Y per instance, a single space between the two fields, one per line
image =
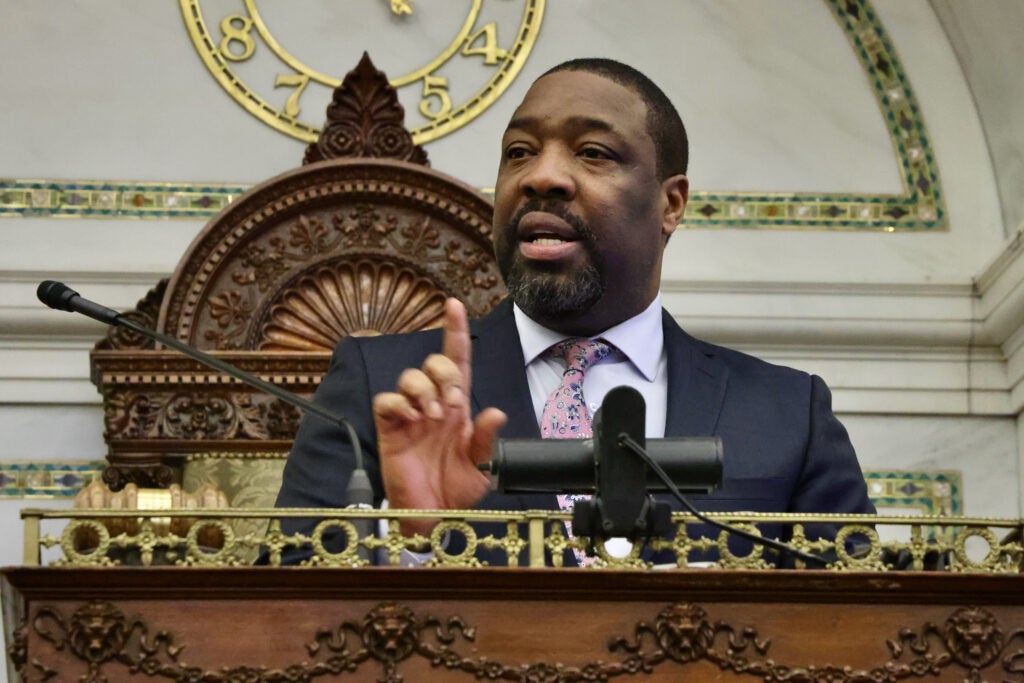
x=640 y=339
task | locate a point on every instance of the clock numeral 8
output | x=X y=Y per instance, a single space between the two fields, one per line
x=236 y=34
x=435 y=86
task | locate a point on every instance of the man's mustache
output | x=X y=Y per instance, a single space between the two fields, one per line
x=555 y=208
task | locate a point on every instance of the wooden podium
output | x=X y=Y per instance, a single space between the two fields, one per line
x=391 y=624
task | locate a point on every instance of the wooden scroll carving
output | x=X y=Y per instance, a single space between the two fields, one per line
x=344 y=245
x=145 y=313
x=105 y=640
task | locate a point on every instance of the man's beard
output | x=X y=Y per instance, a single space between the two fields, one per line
x=545 y=291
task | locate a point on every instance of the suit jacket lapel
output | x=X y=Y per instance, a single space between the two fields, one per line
x=499 y=379
x=696 y=383
x=499 y=372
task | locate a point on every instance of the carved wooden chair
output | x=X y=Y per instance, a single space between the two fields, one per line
x=364 y=238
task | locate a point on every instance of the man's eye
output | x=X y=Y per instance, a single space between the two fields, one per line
x=594 y=153
x=516 y=152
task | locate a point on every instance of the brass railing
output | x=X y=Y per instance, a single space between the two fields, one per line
x=234 y=537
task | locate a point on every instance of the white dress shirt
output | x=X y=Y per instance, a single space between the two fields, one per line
x=637 y=360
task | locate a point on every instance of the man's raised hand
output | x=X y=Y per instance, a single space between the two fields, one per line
x=429 y=444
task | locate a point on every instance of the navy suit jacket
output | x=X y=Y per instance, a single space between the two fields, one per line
x=784 y=450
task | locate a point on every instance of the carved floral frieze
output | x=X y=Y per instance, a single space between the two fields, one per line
x=197 y=415
x=140 y=470
x=102 y=637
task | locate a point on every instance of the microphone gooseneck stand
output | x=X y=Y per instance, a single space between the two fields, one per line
x=359 y=492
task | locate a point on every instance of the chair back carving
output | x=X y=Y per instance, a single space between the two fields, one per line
x=340 y=247
x=363 y=239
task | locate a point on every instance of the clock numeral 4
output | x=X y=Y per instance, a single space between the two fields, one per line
x=490 y=51
x=236 y=30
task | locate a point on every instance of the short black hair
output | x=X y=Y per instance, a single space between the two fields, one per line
x=663 y=122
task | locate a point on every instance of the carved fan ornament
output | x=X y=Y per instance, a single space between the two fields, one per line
x=359 y=299
x=101 y=636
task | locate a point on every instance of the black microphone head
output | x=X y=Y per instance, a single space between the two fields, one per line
x=55 y=294
x=626 y=403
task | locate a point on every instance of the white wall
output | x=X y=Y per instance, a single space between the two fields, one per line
x=918 y=333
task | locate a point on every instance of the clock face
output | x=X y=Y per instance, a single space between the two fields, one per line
x=448 y=59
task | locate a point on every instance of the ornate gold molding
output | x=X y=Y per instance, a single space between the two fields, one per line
x=535 y=537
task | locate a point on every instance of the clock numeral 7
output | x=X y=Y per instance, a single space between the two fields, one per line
x=435 y=86
x=297 y=81
x=490 y=50
x=236 y=29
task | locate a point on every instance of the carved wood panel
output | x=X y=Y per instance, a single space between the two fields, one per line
x=160 y=406
x=514 y=624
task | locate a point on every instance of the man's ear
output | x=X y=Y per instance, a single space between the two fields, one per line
x=675 y=191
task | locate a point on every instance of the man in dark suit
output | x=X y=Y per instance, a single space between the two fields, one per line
x=590 y=187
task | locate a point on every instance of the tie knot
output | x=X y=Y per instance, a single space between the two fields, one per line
x=580 y=353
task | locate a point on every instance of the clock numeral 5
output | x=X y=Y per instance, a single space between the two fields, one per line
x=236 y=30
x=297 y=81
x=490 y=50
x=435 y=86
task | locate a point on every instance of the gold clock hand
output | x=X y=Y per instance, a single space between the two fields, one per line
x=400 y=7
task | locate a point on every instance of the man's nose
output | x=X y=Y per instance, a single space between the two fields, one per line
x=550 y=175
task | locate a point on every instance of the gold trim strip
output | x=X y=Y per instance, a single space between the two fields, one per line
x=211 y=537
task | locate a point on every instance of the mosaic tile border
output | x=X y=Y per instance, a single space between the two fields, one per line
x=932 y=492
x=114 y=199
x=920 y=207
x=43 y=480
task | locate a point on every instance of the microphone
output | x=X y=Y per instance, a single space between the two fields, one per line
x=694 y=463
x=622 y=484
x=59 y=296
x=621 y=468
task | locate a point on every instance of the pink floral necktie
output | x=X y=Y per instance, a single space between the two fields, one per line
x=565 y=414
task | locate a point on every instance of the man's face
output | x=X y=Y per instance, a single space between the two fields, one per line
x=580 y=217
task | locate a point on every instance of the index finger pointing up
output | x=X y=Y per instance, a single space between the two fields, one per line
x=457 y=346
